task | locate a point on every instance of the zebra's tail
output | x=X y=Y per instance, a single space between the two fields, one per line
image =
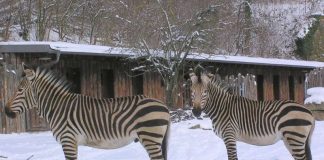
x=308 y=150
x=308 y=143
x=165 y=143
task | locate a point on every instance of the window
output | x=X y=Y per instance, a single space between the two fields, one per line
x=74 y=76
x=137 y=82
x=291 y=83
x=276 y=87
x=107 y=83
x=260 y=80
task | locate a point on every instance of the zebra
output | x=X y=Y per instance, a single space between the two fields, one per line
x=76 y=119
x=236 y=118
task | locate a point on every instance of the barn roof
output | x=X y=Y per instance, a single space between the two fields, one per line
x=95 y=50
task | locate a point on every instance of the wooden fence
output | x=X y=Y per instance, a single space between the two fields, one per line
x=243 y=85
x=315 y=78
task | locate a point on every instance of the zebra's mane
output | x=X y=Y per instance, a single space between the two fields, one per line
x=54 y=78
x=218 y=83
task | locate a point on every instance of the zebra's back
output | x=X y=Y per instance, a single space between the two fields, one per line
x=261 y=121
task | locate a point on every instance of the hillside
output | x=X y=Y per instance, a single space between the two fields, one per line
x=235 y=27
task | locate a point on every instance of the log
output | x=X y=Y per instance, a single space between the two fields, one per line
x=317 y=110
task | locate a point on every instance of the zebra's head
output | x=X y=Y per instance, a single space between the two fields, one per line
x=199 y=83
x=25 y=96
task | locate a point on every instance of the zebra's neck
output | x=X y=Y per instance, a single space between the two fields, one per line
x=50 y=90
x=216 y=100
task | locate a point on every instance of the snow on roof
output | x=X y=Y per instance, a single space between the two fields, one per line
x=257 y=61
x=95 y=50
x=63 y=47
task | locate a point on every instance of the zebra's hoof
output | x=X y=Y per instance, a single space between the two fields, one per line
x=196 y=112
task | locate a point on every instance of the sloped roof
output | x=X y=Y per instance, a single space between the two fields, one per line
x=95 y=50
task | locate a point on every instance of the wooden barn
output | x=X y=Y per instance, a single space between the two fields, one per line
x=102 y=71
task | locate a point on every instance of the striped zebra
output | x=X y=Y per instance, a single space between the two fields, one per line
x=77 y=119
x=236 y=118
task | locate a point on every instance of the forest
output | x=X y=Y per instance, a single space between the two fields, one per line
x=263 y=28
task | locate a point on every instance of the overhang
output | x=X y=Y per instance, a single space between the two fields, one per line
x=95 y=50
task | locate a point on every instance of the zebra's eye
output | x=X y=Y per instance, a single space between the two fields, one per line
x=20 y=89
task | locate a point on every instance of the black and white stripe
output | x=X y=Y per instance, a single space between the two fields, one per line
x=236 y=118
x=77 y=119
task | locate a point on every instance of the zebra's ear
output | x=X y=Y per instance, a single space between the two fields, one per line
x=193 y=76
x=24 y=66
x=210 y=75
x=28 y=71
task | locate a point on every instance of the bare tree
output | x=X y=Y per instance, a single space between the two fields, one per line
x=44 y=13
x=177 y=40
x=7 y=17
x=244 y=28
x=63 y=14
x=25 y=18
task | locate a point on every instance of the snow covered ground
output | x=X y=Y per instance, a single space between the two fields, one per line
x=316 y=95
x=185 y=144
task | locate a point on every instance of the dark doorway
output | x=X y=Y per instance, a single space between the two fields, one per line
x=74 y=76
x=276 y=87
x=291 y=84
x=137 y=83
x=107 y=83
x=260 y=80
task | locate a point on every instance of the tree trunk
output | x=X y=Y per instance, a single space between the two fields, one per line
x=247 y=28
x=171 y=89
x=170 y=96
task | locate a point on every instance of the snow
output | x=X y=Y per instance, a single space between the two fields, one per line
x=283 y=22
x=256 y=60
x=184 y=144
x=316 y=95
x=71 y=48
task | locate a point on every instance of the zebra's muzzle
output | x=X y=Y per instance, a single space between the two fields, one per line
x=10 y=113
x=196 y=112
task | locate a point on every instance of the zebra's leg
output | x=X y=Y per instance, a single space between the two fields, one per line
x=230 y=143
x=153 y=147
x=298 y=146
x=152 y=140
x=69 y=146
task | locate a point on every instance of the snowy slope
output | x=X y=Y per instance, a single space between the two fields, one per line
x=283 y=23
x=185 y=144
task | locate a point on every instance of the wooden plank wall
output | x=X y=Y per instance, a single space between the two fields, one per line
x=9 y=82
x=284 y=85
x=268 y=86
x=90 y=69
x=268 y=72
x=299 y=81
x=90 y=72
x=153 y=80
